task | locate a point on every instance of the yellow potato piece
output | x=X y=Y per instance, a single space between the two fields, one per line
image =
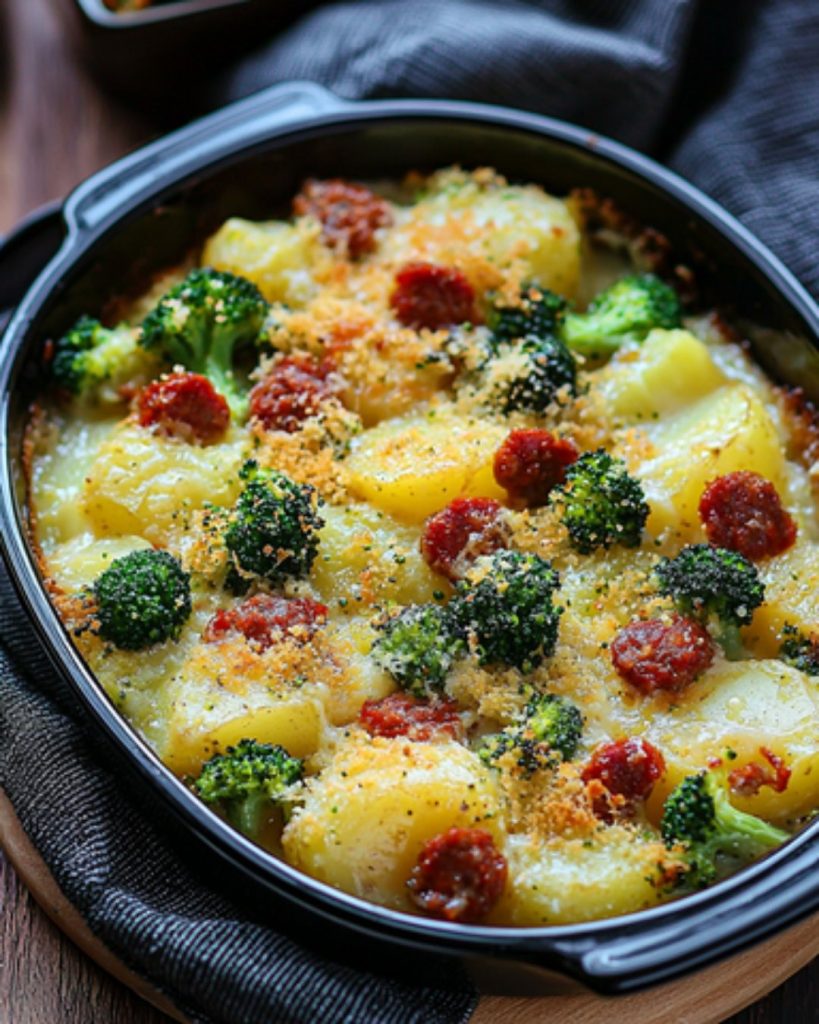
x=366 y=558
x=362 y=679
x=791 y=598
x=58 y=474
x=726 y=431
x=670 y=370
x=414 y=466
x=276 y=256
x=498 y=227
x=366 y=818
x=527 y=224
x=147 y=485
x=742 y=706
x=204 y=719
x=78 y=562
x=562 y=880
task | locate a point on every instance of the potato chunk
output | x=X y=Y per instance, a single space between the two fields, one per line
x=559 y=881
x=225 y=693
x=726 y=431
x=368 y=815
x=78 y=562
x=366 y=558
x=670 y=370
x=492 y=225
x=276 y=256
x=360 y=677
x=146 y=485
x=414 y=466
x=791 y=598
x=65 y=449
x=742 y=706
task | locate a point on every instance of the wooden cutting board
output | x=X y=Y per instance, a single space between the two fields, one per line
x=705 y=998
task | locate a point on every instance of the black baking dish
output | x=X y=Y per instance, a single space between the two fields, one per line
x=246 y=161
x=158 y=52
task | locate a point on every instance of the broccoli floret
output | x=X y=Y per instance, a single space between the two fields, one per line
x=699 y=815
x=718 y=587
x=556 y=721
x=601 y=503
x=90 y=360
x=625 y=312
x=537 y=315
x=549 y=733
x=800 y=651
x=202 y=322
x=142 y=599
x=507 y=610
x=248 y=781
x=419 y=646
x=272 y=531
x=535 y=372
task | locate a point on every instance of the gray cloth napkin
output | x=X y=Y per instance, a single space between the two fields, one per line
x=728 y=94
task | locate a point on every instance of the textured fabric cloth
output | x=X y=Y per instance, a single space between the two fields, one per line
x=725 y=92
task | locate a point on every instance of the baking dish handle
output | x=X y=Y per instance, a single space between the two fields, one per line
x=25 y=251
x=748 y=908
x=224 y=133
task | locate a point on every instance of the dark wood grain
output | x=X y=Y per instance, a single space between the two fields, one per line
x=44 y=979
x=56 y=127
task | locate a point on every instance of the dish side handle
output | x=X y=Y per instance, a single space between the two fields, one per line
x=224 y=133
x=25 y=251
x=716 y=923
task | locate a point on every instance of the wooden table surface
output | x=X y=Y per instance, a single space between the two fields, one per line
x=57 y=126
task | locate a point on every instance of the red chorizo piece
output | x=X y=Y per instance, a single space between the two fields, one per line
x=461 y=532
x=349 y=214
x=460 y=875
x=184 y=405
x=743 y=512
x=291 y=393
x=417 y=720
x=748 y=780
x=655 y=654
x=530 y=463
x=426 y=295
x=265 y=620
x=627 y=770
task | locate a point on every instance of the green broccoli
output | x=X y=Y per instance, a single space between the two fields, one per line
x=538 y=315
x=718 y=587
x=625 y=312
x=202 y=322
x=419 y=646
x=699 y=815
x=601 y=503
x=143 y=599
x=248 y=781
x=549 y=733
x=506 y=609
x=800 y=651
x=532 y=374
x=92 y=361
x=272 y=530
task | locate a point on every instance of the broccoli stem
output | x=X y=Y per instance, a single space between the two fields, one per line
x=742 y=835
x=248 y=814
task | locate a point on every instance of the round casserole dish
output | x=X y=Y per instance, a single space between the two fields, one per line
x=240 y=162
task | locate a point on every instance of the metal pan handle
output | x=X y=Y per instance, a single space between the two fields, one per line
x=226 y=132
